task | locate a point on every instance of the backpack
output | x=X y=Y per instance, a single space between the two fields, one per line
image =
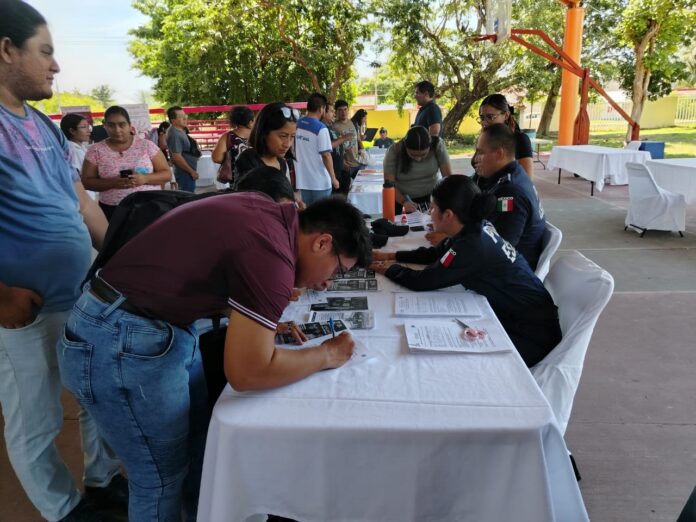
x=133 y=215
x=235 y=146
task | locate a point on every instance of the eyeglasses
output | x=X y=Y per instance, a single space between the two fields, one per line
x=290 y=114
x=489 y=117
x=339 y=269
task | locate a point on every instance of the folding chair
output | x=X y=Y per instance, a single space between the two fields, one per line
x=550 y=242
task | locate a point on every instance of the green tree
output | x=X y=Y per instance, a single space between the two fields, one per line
x=434 y=40
x=654 y=31
x=66 y=99
x=232 y=51
x=104 y=94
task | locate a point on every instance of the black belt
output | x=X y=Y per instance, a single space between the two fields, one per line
x=106 y=293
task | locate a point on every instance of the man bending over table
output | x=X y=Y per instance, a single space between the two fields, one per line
x=129 y=349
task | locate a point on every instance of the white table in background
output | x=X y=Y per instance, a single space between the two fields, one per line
x=538 y=142
x=398 y=437
x=595 y=163
x=366 y=191
x=676 y=175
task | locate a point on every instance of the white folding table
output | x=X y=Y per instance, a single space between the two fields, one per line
x=595 y=163
x=397 y=437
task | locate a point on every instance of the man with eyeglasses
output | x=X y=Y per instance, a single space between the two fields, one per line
x=144 y=387
x=429 y=114
x=315 y=177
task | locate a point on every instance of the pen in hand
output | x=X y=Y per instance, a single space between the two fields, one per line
x=331 y=325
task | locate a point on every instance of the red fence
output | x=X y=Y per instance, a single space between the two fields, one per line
x=205 y=132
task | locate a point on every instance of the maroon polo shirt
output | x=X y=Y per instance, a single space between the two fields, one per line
x=235 y=250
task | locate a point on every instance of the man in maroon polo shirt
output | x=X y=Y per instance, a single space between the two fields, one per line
x=129 y=353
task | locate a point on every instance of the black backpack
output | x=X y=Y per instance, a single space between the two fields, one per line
x=134 y=214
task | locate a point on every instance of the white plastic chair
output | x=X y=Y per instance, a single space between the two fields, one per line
x=652 y=207
x=581 y=290
x=550 y=242
x=633 y=145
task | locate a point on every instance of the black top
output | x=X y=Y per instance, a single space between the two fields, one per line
x=249 y=159
x=519 y=216
x=480 y=260
x=523 y=147
x=428 y=114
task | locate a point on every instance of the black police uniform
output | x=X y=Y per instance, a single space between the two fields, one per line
x=480 y=260
x=519 y=217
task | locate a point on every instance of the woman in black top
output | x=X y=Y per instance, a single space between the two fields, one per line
x=495 y=109
x=476 y=257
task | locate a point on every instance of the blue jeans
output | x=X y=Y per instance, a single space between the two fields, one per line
x=30 y=391
x=185 y=181
x=310 y=196
x=142 y=381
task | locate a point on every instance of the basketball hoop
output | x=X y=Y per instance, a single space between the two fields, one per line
x=498 y=15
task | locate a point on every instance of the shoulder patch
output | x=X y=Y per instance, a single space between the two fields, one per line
x=447 y=259
x=506 y=204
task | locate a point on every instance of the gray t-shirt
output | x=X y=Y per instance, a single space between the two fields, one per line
x=421 y=177
x=178 y=141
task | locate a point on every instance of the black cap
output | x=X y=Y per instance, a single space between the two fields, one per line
x=388 y=184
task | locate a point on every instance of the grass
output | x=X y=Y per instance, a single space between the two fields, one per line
x=680 y=142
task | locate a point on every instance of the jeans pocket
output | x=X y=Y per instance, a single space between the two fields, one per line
x=148 y=342
x=75 y=357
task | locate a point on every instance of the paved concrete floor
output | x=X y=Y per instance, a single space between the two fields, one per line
x=633 y=430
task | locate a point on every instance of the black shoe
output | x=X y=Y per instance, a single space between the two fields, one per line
x=85 y=511
x=115 y=495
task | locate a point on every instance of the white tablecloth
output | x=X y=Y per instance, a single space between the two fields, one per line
x=398 y=437
x=676 y=175
x=595 y=163
x=366 y=193
x=207 y=170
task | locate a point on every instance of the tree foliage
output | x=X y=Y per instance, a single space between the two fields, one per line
x=232 y=51
x=104 y=94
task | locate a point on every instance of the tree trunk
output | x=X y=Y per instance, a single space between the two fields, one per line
x=549 y=106
x=640 y=91
x=455 y=116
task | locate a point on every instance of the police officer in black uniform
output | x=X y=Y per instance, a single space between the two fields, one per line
x=475 y=256
x=518 y=217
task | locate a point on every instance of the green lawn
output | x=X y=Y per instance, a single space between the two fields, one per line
x=680 y=142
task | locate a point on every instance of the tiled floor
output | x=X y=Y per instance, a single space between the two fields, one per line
x=633 y=430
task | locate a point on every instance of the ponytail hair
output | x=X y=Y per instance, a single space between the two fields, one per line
x=417 y=138
x=461 y=195
x=498 y=101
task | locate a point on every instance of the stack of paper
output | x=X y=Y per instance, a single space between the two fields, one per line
x=447 y=336
x=436 y=304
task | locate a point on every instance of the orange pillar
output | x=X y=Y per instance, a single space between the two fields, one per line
x=572 y=45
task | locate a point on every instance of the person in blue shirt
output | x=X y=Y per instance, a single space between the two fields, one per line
x=475 y=256
x=429 y=114
x=46 y=220
x=383 y=142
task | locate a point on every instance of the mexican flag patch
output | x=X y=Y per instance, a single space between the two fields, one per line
x=505 y=204
x=447 y=259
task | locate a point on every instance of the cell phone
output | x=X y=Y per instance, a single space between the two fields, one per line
x=126 y=173
x=418 y=228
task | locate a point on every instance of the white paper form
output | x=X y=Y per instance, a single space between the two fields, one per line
x=360 y=353
x=436 y=304
x=354 y=319
x=447 y=336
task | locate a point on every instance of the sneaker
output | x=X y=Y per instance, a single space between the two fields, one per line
x=85 y=511
x=115 y=495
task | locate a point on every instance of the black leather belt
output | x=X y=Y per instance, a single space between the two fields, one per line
x=106 y=293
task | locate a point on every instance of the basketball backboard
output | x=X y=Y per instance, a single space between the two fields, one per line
x=498 y=15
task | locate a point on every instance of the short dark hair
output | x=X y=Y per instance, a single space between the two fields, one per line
x=427 y=87
x=19 y=21
x=340 y=103
x=69 y=122
x=345 y=223
x=269 y=119
x=268 y=180
x=116 y=109
x=461 y=195
x=241 y=115
x=316 y=101
x=498 y=101
x=162 y=127
x=499 y=136
x=171 y=112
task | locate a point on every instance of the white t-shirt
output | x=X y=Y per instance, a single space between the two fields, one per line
x=311 y=140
